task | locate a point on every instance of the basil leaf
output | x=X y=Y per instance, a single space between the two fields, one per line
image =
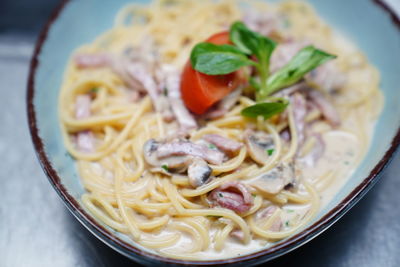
x=267 y=110
x=214 y=59
x=250 y=42
x=303 y=62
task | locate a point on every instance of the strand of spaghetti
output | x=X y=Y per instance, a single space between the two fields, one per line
x=293 y=134
x=159 y=242
x=256 y=206
x=197 y=243
x=223 y=235
x=222 y=213
x=276 y=153
x=232 y=121
x=212 y=130
x=109 y=135
x=293 y=197
x=119 y=158
x=180 y=180
x=231 y=164
x=201 y=229
x=99 y=214
x=173 y=197
x=160 y=124
x=152 y=224
x=186 y=203
x=130 y=223
x=271 y=220
x=324 y=181
x=106 y=206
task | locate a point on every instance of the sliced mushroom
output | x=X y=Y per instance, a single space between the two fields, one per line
x=172 y=164
x=276 y=179
x=258 y=144
x=187 y=148
x=199 y=172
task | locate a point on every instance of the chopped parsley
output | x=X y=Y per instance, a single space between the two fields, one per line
x=287 y=223
x=211 y=146
x=289 y=210
x=165 y=167
x=220 y=194
x=217 y=216
x=270 y=151
x=286 y=23
x=94 y=90
x=165 y=91
x=254 y=195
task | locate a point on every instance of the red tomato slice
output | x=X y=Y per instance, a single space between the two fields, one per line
x=201 y=91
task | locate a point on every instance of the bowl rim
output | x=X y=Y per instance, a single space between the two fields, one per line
x=133 y=252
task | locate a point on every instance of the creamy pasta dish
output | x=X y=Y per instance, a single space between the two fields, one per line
x=212 y=129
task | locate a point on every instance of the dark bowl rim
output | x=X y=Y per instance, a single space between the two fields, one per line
x=127 y=249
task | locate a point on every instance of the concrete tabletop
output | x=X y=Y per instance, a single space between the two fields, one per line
x=36 y=229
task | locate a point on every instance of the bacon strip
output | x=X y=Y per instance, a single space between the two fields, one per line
x=172 y=80
x=84 y=139
x=227 y=145
x=96 y=60
x=299 y=114
x=232 y=195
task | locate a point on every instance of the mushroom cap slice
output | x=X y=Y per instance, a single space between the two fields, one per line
x=176 y=164
x=258 y=144
x=276 y=179
x=198 y=172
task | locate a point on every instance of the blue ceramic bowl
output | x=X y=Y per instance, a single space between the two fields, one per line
x=369 y=24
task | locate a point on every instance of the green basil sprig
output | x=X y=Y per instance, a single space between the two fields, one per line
x=303 y=62
x=265 y=109
x=214 y=59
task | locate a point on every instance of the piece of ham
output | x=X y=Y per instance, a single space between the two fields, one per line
x=232 y=195
x=140 y=75
x=224 y=144
x=172 y=80
x=299 y=115
x=327 y=109
x=137 y=69
x=84 y=139
x=266 y=24
x=185 y=147
x=95 y=60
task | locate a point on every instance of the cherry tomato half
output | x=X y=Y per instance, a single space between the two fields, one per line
x=200 y=91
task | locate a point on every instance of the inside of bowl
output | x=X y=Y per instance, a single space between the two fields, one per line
x=363 y=22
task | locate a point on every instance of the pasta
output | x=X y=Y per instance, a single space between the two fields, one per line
x=107 y=124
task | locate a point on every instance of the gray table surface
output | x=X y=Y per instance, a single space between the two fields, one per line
x=37 y=230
